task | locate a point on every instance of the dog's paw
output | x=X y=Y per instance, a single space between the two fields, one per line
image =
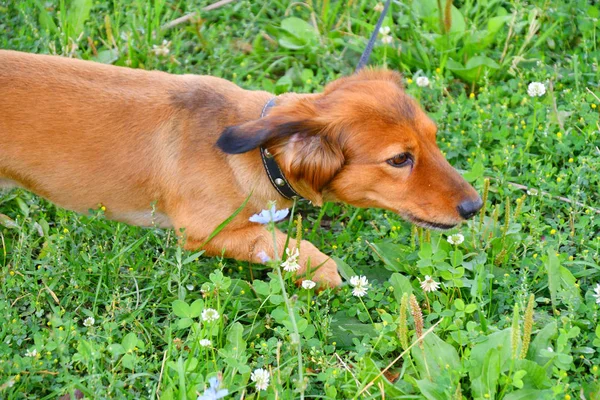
x=327 y=275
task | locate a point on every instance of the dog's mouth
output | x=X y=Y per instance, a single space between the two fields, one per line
x=427 y=224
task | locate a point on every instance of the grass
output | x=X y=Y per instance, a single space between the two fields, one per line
x=516 y=316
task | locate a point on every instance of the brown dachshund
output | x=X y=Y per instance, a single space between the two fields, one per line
x=184 y=151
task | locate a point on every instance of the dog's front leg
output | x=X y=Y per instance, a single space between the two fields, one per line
x=253 y=243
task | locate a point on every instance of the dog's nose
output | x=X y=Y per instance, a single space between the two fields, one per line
x=469 y=208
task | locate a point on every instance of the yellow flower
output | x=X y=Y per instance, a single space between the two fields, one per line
x=472 y=96
x=571 y=159
x=558 y=179
x=593 y=105
x=553 y=231
x=409 y=81
x=535 y=255
x=559 y=135
x=438 y=70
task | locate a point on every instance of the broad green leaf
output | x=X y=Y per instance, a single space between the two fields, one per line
x=535 y=374
x=78 y=14
x=432 y=389
x=299 y=28
x=130 y=341
x=484 y=386
x=475 y=173
x=107 y=56
x=344 y=269
x=542 y=341
x=401 y=285
x=390 y=254
x=346 y=328
x=437 y=354
x=529 y=394
x=196 y=308
x=500 y=341
x=182 y=309
x=369 y=371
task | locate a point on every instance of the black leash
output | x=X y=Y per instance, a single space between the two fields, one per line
x=364 y=58
x=274 y=173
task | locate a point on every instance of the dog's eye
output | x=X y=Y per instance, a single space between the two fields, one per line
x=400 y=160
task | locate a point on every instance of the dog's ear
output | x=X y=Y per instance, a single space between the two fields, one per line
x=304 y=146
x=310 y=159
x=243 y=138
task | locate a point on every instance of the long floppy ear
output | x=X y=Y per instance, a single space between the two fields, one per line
x=243 y=138
x=282 y=122
x=305 y=150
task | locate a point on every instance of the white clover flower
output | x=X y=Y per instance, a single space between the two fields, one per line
x=378 y=7
x=387 y=39
x=162 y=50
x=31 y=353
x=205 y=342
x=597 y=293
x=360 y=284
x=536 y=89
x=89 y=321
x=261 y=377
x=291 y=262
x=210 y=314
x=384 y=30
x=456 y=239
x=308 y=284
x=272 y=214
x=429 y=285
x=422 y=81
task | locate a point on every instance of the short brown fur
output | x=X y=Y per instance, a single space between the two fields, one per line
x=83 y=134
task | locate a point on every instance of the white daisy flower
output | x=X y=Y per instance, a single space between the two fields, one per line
x=456 y=239
x=291 y=262
x=89 y=321
x=308 y=284
x=272 y=214
x=429 y=285
x=210 y=314
x=536 y=89
x=384 y=30
x=422 y=81
x=360 y=284
x=31 y=353
x=205 y=342
x=261 y=377
x=597 y=293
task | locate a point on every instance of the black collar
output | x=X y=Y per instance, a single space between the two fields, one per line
x=274 y=173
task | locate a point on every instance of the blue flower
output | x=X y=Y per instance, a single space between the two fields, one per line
x=266 y=216
x=213 y=392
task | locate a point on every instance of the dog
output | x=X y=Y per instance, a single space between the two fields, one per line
x=186 y=151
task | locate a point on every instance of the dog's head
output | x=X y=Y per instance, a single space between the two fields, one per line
x=365 y=142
